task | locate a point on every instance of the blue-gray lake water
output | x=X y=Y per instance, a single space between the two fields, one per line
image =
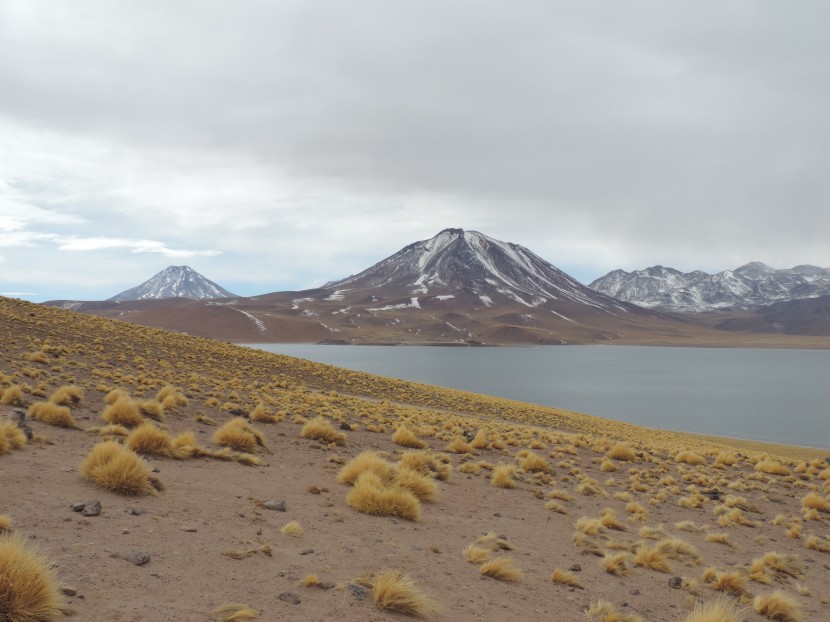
x=780 y=396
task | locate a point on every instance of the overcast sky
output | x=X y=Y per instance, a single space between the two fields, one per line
x=277 y=145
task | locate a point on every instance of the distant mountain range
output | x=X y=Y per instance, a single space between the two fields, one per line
x=174 y=282
x=751 y=286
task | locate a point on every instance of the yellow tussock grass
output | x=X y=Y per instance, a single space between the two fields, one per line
x=370 y=495
x=239 y=435
x=817 y=544
x=609 y=520
x=6 y=523
x=677 y=548
x=124 y=411
x=28 y=588
x=292 y=528
x=310 y=580
x=608 y=466
x=781 y=566
x=560 y=494
x=151 y=408
x=491 y=541
x=12 y=396
x=502 y=569
x=771 y=467
x=564 y=577
x=149 y=440
x=621 y=451
x=589 y=526
x=115 y=395
x=503 y=476
x=261 y=415
x=368 y=461
x=235 y=612
x=603 y=611
x=729 y=582
x=405 y=437
x=719 y=538
x=418 y=484
x=714 y=611
x=555 y=506
x=476 y=554
x=615 y=563
x=459 y=446
x=52 y=414
x=651 y=557
x=395 y=591
x=815 y=501
x=319 y=429
x=534 y=463
x=116 y=468
x=481 y=440
x=67 y=395
x=689 y=457
x=778 y=606
x=12 y=436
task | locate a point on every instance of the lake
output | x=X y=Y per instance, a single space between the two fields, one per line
x=780 y=396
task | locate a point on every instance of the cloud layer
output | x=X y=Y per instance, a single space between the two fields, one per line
x=280 y=145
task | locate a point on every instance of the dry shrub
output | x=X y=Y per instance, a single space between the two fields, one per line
x=719 y=538
x=607 y=466
x=261 y=414
x=503 y=569
x=11 y=436
x=689 y=457
x=115 y=395
x=123 y=411
x=151 y=408
x=503 y=476
x=28 y=588
x=418 y=484
x=623 y=452
x=534 y=463
x=459 y=446
x=815 y=501
x=615 y=563
x=319 y=429
x=235 y=612
x=371 y=496
x=239 y=435
x=52 y=414
x=116 y=468
x=149 y=440
x=481 y=441
x=730 y=582
x=677 y=548
x=368 y=461
x=771 y=467
x=715 y=611
x=603 y=611
x=171 y=397
x=817 y=544
x=564 y=577
x=292 y=528
x=405 y=437
x=394 y=591
x=6 y=523
x=555 y=506
x=427 y=464
x=609 y=520
x=67 y=395
x=778 y=606
x=476 y=554
x=12 y=396
x=651 y=557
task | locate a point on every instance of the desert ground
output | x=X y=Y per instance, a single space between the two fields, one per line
x=236 y=484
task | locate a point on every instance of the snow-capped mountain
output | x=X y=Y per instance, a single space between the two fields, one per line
x=175 y=282
x=458 y=262
x=751 y=286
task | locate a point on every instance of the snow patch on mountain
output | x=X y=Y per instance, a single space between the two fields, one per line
x=175 y=282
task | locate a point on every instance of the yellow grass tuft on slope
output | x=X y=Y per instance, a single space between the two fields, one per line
x=240 y=435
x=67 y=395
x=564 y=577
x=370 y=495
x=116 y=468
x=714 y=611
x=778 y=606
x=123 y=411
x=368 y=461
x=28 y=588
x=503 y=476
x=405 y=437
x=319 y=429
x=235 y=612
x=52 y=414
x=771 y=467
x=395 y=591
x=502 y=569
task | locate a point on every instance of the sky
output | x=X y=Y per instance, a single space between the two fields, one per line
x=278 y=145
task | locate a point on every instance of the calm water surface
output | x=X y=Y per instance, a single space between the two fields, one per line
x=780 y=396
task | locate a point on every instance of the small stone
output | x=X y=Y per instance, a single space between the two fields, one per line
x=78 y=506
x=345 y=426
x=325 y=585
x=136 y=511
x=156 y=470
x=68 y=590
x=139 y=558
x=278 y=506
x=358 y=591
x=289 y=597
x=575 y=568
x=189 y=529
x=306 y=551
x=91 y=508
x=125 y=532
x=497 y=514
x=396 y=521
x=635 y=592
x=676 y=583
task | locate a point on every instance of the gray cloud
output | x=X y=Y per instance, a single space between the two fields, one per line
x=303 y=141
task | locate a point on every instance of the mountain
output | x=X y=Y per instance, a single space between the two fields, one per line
x=174 y=282
x=751 y=286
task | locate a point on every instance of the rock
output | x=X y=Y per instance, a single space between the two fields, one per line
x=635 y=592
x=21 y=423
x=92 y=508
x=68 y=590
x=358 y=591
x=137 y=511
x=139 y=558
x=277 y=506
x=289 y=597
x=325 y=585
x=306 y=551
x=676 y=583
x=713 y=495
x=827 y=460
x=575 y=568
x=78 y=506
x=345 y=426
x=189 y=529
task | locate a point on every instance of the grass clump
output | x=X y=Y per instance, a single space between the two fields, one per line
x=123 y=411
x=52 y=414
x=714 y=611
x=235 y=612
x=603 y=611
x=28 y=587
x=689 y=457
x=239 y=435
x=503 y=476
x=11 y=437
x=621 y=451
x=368 y=461
x=771 y=467
x=67 y=395
x=405 y=437
x=319 y=429
x=778 y=606
x=114 y=467
x=370 y=495
x=476 y=554
x=395 y=591
x=6 y=524
x=502 y=569
x=565 y=577
x=12 y=396
x=292 y=528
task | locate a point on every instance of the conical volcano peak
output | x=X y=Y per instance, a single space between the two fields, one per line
x=175 y=282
